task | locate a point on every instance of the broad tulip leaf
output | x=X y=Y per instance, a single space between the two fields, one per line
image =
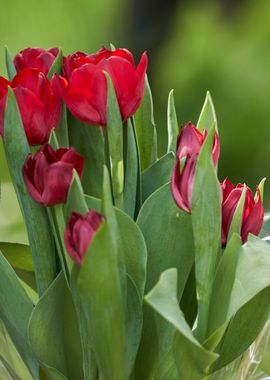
x=157 y=175
x=50 y=373
x=15 y=311
x=88 y=140
x=11 y=71
x=208 y=115
x=57 y=65
x=191 y=359
x=18 y=255
x=76 y=199
x=58 y=345
x=146 y=129
x=172 y=124
x=131 y=171
x=36 y=220
x=171 y=248
x=206 y=221
x=114 y=131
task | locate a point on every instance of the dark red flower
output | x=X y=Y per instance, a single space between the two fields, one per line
x=84 y=85
x=79 y=233
x=3 y=98
x=35 y=58
x=253 y=212
x=48 y=174
x=189 y=143
x=39 y=104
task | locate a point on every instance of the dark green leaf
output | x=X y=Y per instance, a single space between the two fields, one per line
x=146 y=130
x=39 y=233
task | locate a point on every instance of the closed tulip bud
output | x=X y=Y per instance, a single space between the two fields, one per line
x=84 y=85
x=35 y=58
x=189 y=143
x=79 y=233
x=38 y=102
x=49 y=173
x=253 y=212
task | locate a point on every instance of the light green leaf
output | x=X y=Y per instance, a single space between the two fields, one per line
x=206 y=222
x=57 y=65
x=114 y=131
x=191 y=359
x=18 y=255
x=53 y=331
x=146 y=129
x=11 y=71
x=15 y=311
x=157 y=175
x=208 y=115
x=172 y=124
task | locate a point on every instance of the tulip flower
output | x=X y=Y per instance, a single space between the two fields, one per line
x=79 y=233
x=49 y=173
x=35 y=58
x=39 y=104
x=84 y=85
x=189 y=143
x=253 y=212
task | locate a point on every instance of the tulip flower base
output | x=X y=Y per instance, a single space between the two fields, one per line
x=138 y=267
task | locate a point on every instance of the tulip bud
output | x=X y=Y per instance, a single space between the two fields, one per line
x=49 y=173
x=79 y=233
x=84 y=86
x=35 y=58
x=253 y=212
x=189 y=143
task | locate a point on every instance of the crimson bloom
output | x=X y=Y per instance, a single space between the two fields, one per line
x=39 y=104
x=48 y=174
x=35 y=58
x=84 y=85
x=253 y=212
x=189 y=143
x=79 y=233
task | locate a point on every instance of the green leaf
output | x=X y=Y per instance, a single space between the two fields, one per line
x=15 y=311
x=236 y=223
x=206 y=221
x=89 y=142
x=11 y=71
x=261 y=188
x=40 y=237
x=157 y=175
x=54 y=333
x=208 y=115
x=62 y=129
x=172 y=124
x=18 y=255
x=57 y=65
x=146 y=129
x=131 y=171
x=76 y=200
x=191 y=359
x=114 y=131
x=171 y=248
x=49 y=373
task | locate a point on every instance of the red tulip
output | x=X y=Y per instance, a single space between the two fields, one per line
x=39 y=104
x=85 y=87
x=189 y=144
x=48 y=174
x=35 y=58
x=79 y=233
x=253 y=212
x=3 y=97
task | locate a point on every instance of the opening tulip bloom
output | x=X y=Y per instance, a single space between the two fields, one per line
x=84 y=85
x=253 y=211
x=35 y=58
x=79 y=233
x=49 y=173
x=189 y=143
x=39 y=104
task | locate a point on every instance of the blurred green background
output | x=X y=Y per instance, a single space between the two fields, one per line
x=193 y=46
